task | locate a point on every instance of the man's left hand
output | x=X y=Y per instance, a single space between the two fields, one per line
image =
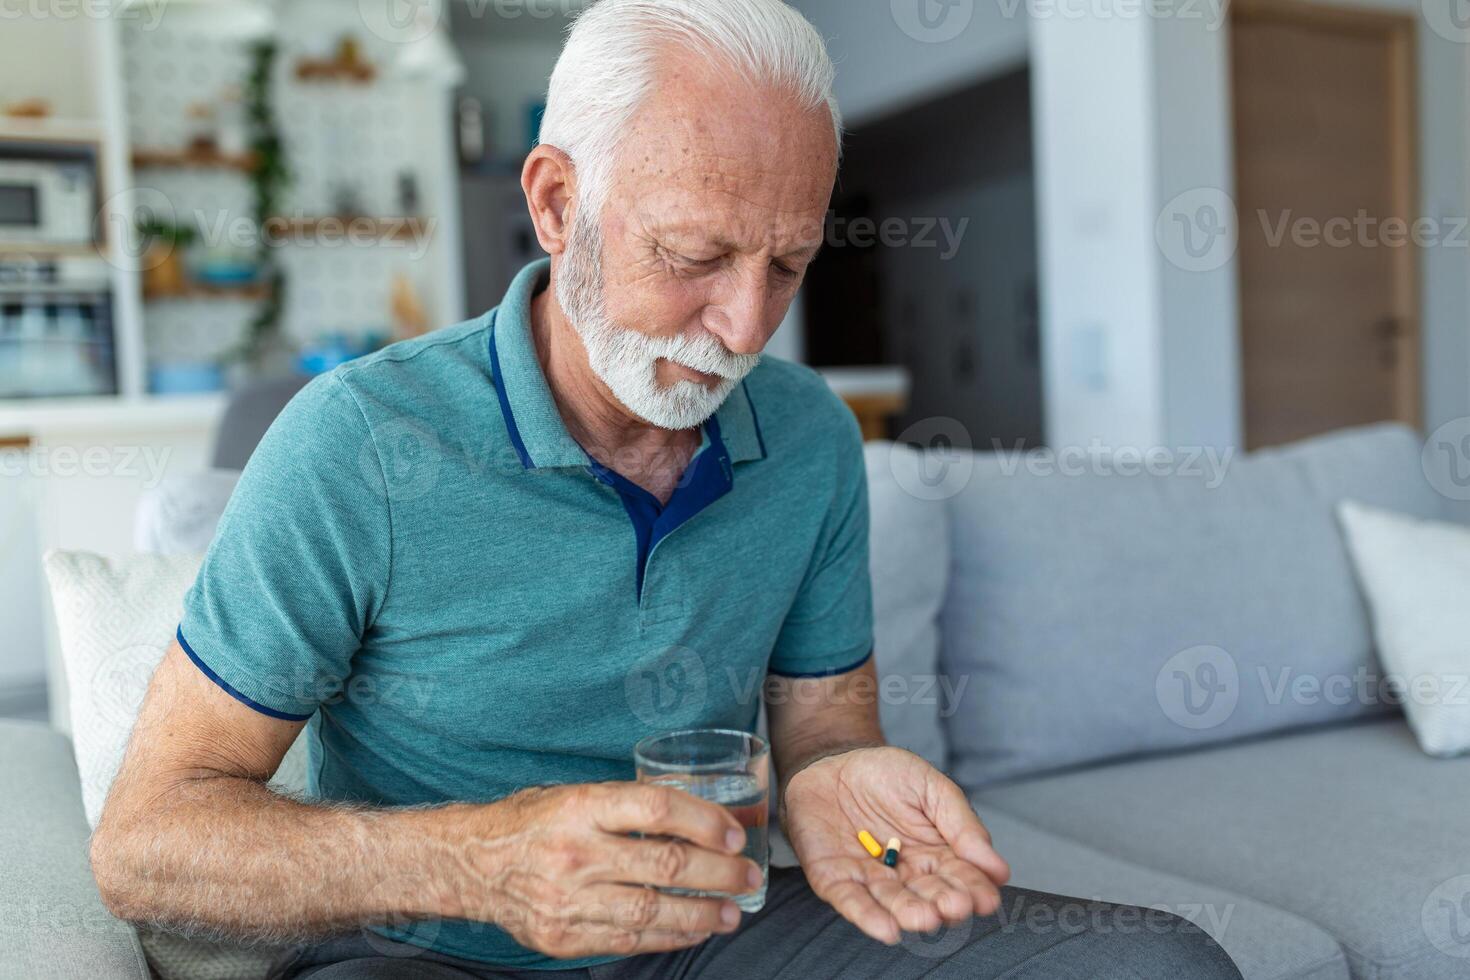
x=947 y=870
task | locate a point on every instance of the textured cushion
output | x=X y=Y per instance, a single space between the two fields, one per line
x=1265 y=943
x=1100 y=615
x=1348 y=826
x=52 y=921
x=909 y=559
x=1416 y=575
x=116 y=620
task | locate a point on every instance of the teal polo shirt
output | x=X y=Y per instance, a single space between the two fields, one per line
x=422 y=561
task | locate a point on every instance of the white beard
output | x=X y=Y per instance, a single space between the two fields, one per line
x=626 y=360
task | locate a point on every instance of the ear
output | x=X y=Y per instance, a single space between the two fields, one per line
x=549 y=180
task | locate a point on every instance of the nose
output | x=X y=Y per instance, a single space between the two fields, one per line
x=739 y=316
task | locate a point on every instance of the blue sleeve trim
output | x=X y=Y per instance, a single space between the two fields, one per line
x=827 y=673
x=272 y=712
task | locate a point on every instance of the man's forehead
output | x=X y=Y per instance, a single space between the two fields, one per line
x=788 y=234
x=724 y=201
x=702 y=122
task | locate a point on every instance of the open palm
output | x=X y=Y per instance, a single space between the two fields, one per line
x=948 y=870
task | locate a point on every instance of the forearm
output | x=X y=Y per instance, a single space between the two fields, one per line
x=813 y=718
x=227 y=856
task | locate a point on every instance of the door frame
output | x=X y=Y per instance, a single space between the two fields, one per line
x=1400 y=30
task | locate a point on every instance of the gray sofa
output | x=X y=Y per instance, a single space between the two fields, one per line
x=1086 y=623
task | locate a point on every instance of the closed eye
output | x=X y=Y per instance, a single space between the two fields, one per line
x=688 y=263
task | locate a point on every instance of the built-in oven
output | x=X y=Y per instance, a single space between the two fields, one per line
x=56 y=331
x=48 y=194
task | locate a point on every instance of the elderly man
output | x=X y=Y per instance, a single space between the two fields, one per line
x=460 y=560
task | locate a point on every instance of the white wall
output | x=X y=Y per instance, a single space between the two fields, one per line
x=1199 y=308
x=1097 y=146
x=1140 y=344
x=42 y=57
x=887 y=59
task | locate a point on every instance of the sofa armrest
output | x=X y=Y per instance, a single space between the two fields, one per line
x=52 y=920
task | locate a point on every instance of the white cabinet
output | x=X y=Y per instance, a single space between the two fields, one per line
x=22 y=645
x=77 y=487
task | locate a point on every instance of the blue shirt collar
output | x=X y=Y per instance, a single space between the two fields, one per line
x=537 y=432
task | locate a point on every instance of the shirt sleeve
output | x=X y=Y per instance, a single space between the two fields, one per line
x=300 y=563
x=829 y=629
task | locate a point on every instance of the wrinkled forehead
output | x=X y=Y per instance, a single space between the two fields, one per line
x=709 y=150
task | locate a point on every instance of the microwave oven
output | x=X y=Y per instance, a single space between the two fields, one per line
x=48 y=195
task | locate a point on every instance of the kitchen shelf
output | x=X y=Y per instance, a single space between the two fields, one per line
x=42 y=250
x=395 y=228
x=193 y=157
x=50 y=129
x=250 y=292
x=335 y=70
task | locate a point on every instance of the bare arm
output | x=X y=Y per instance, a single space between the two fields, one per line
x=192 y=839
x=812 y=718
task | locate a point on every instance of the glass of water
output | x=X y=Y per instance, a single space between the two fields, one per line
x=727 y=767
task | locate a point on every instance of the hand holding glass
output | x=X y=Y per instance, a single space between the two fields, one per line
x=731 y=768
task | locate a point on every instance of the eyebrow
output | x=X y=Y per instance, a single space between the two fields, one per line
x=807 y=251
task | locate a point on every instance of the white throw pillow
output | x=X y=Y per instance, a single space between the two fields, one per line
x=115 y=621
x=1416 y=576
x=179 y=516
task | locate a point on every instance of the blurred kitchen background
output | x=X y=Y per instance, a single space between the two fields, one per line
x=1068 y=223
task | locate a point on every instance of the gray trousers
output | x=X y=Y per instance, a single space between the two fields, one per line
x=798 y=936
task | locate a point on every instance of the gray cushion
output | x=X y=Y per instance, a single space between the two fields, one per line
x=1350 y=827
x=909 y=561
x=1090 y=611
x=52 y=921
x=1265 y=943
x=250 y=413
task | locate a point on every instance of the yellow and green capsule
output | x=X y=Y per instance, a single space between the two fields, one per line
x=890 y=853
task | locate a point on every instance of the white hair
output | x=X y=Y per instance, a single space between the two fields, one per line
x=607 y=69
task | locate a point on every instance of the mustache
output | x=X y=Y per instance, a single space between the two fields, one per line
x=703 y=353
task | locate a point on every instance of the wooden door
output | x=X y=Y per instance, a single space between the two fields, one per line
x=1325 y=185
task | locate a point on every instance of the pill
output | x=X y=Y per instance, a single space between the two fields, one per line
x=890 y=854
x=870 y=843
